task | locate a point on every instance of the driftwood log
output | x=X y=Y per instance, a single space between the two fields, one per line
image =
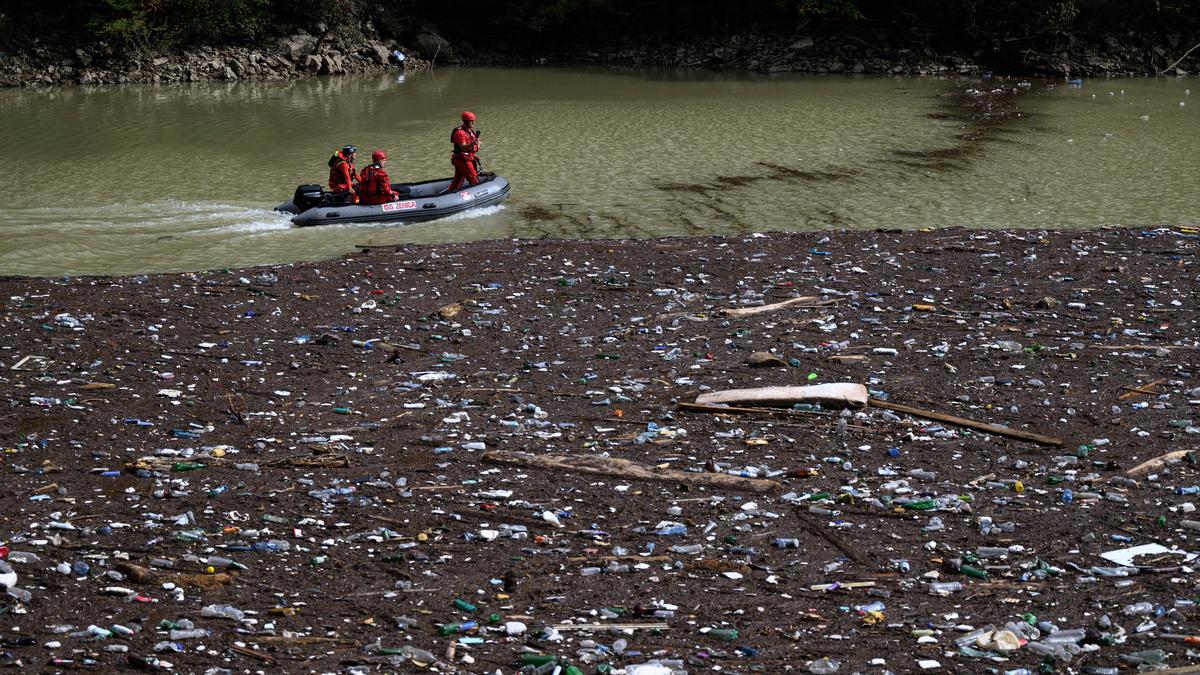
x=1157 y=463
x=763 y=309
x=623 y=468
x=837 y=394
x=968 y=423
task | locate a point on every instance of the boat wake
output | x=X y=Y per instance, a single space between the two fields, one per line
x=171 y=216
x=473 y=214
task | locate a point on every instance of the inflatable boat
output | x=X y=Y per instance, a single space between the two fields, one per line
x=418 y=202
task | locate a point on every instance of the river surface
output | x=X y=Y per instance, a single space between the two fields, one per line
x=134 y=179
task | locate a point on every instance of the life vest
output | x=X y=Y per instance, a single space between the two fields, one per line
x=374 y=185
x=472 y=137
x=367 y=179
x=337 y=179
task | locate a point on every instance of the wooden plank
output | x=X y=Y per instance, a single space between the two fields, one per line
x=610 y=626
x=1146 y=389
x=839 y=394
x=1135 y=347
x=732 y=409
x=968 y=423
x=763 y=309
x=623 y=468
x=1157 y=463
x=253 y=653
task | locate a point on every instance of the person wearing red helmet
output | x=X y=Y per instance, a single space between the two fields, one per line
x=342 y=174
x=465 y=139
x=374 y=186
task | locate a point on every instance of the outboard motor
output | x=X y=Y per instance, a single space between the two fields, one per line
x=307 y=196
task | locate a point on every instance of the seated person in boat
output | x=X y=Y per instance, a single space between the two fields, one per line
x=374 y=186
x=342 y=175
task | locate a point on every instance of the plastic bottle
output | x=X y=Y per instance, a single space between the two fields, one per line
x=1112 y=571
x=945 y=587
x=1072 y=636
x=726 y=634
x=222 y=563
x=450 y=628
x=1147 y=657
x=222 y=611
x=1060 y=651
x=824 y=666
x=971 y=638
x=973 y=572
x=1138 y=609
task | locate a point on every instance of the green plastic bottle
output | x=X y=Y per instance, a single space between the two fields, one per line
x=726 y=634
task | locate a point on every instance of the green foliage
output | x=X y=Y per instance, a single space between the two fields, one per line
x=843 y=9
x=1000 y=25
x=132 y=34
x=210 y=21
x=126 y=25
x=333 y=14
x=999 y=20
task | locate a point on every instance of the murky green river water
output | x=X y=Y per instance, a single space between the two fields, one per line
x=153 y=178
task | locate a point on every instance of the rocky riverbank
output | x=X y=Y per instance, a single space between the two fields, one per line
x=318 y=466
x=290 y=57
x=1105 y=56
x=305 y=55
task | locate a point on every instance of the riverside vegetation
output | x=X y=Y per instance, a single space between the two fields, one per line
x=90 y=41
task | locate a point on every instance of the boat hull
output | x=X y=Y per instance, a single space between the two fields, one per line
x=419 y=202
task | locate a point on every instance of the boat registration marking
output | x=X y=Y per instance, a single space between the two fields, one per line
x=398 y=206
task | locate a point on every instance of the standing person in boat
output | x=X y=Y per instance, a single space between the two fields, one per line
x=465 y=139
x=342 y=175
x=374 y=185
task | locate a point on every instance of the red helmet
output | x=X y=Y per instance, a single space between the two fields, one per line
x=378 y=155
x=468 y=116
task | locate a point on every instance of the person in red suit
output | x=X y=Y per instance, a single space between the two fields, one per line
x=465 y=140
x=374 y=186
x=342 y=175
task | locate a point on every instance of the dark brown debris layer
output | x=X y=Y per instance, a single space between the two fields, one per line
x=285 y=465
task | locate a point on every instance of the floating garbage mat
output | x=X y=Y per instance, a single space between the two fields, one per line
x=834 y=452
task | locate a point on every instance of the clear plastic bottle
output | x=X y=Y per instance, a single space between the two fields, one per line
x=1138 y=609
x=1147 y=657
x=1072 y=636
x=824 y=666
x=945 y=587
x=222 y=611
x=991 y=552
